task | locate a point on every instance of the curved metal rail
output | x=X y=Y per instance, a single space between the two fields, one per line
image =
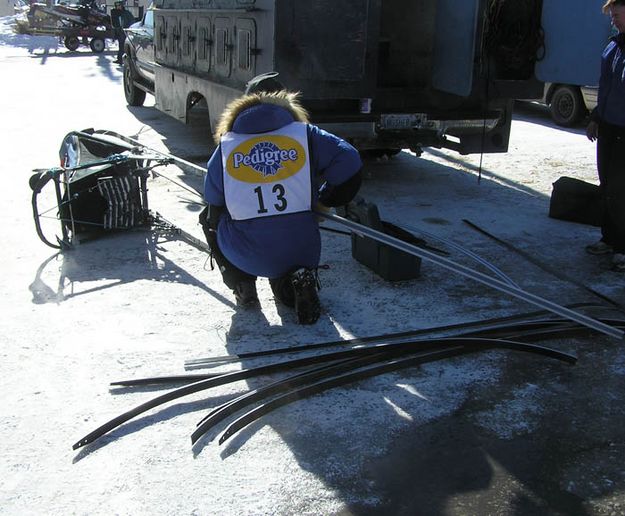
x=223 y=411
x=477 y=276
x=374 y=370
x=545 y=267
x=485 y=263
x=486 y=324
x=523 y=334
x=398 y=348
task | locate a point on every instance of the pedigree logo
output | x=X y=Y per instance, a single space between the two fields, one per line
x=266 y=159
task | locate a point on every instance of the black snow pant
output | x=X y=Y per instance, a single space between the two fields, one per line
x=611 y=168
x=282 y=287
x=230 y=273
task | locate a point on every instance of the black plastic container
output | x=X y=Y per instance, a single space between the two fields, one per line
x=386 y=261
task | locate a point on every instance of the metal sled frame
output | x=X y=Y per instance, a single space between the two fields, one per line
x=141 y=161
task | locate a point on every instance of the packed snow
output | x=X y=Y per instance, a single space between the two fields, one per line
x=132 y=306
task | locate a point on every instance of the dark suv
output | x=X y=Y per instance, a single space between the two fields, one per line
x=139 y=60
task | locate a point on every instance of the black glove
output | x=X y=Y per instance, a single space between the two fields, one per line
x=209 y=220
x=338 y=195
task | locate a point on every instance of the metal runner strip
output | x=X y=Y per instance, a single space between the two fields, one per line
x=397 y=349
x=223 y=411
x=337 y=381
x=487 y=324
x=475 y=275
x=560 y=330
x=373 y=370
x=545 y=267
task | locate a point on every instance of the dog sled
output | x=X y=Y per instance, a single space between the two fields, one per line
x=100 y=188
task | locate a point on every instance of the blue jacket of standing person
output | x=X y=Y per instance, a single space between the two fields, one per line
x=611 y=95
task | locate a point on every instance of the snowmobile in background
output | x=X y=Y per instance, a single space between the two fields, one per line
x=72 y=22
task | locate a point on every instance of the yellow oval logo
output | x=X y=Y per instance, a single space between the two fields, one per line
x=266 y=159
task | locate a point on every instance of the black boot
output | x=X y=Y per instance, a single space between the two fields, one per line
x=245 y=294
x=307 y=305
x=282 y=289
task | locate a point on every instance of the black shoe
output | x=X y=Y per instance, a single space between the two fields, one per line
x=282 y=289
x=245 y=293
x=307 y=305
x=599 y=248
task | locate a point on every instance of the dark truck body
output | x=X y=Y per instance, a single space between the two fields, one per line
x=383 y=74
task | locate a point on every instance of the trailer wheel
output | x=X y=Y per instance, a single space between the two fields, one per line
x=134 y=96
x=567 y=105
x=97 y=45
x=71 y=43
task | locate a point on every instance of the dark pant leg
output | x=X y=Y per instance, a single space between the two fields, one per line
x=230 y=274
x=611 y=167
x=282 y=289
x=121 y=38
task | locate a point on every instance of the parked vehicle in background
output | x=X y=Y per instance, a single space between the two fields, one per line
x=83 y=21
x=574 y=40
x=569 y=104
x=139 y=60
x=393 y=77
x=385 y=83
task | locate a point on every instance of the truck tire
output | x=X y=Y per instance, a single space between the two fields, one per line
x=97 y=45
x=134 y=96
x=567 y=105
x=71 y=43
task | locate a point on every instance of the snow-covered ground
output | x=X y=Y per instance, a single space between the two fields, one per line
x=467 y=435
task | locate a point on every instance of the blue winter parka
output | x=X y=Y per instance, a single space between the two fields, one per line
x=273 y=246
x=611 y=96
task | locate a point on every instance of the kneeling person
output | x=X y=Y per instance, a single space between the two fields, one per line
x=261 y=186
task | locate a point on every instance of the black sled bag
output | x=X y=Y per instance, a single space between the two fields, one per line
x=575 y=200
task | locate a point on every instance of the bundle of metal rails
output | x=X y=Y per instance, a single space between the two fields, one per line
x=362 y=358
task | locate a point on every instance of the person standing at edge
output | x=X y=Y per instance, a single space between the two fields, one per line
x=270 y=169
x=607 y=126
x=121 y=19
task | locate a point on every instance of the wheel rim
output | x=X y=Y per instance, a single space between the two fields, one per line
x=72 y=43
x=565 y=106
x=97 y=45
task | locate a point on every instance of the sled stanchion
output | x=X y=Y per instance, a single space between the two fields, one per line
x=476 y=275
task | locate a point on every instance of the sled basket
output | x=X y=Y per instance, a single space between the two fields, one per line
x=100 y=187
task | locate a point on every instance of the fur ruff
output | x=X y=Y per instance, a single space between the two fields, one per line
x=285 y=99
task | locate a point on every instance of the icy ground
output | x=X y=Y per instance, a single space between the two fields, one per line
x=490 y=433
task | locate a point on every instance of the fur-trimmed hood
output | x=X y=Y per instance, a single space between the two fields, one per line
x=285 y=99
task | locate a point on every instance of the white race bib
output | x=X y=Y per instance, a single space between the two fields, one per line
x=267 y=174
